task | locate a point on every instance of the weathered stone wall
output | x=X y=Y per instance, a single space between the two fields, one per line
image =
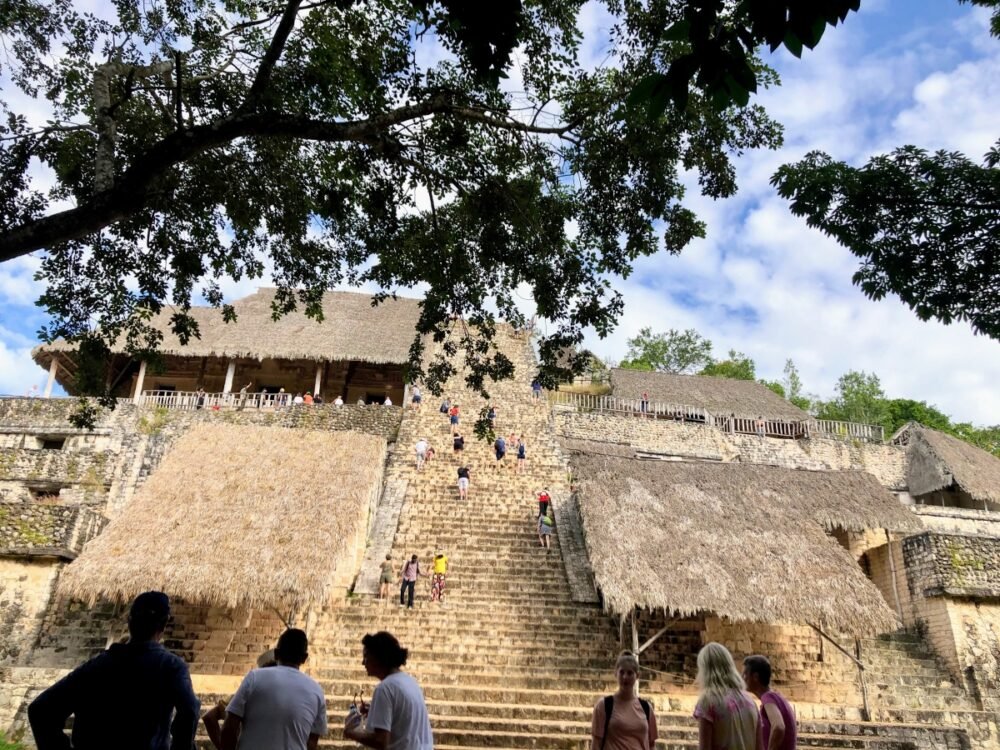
x=18 y=687
x=885 y=462
x=977 y=635
x=25 y=588
x=55 y=468
x=794 y=652
x=959 y=520
x=41 y=414
x=953 y=564
x=46 y=529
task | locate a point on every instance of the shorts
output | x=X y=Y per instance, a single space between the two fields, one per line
x=385 y=578
x=521 y=456
x=536 y=394
x=421 y=456
x=417 y=398
x=544 y=529
x=501 y=455
x=463 y=483
x=454 y=419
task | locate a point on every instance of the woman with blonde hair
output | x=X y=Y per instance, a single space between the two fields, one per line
x=726 y=712
x=624 y=721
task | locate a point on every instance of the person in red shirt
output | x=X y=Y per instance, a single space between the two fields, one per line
x=544 y=500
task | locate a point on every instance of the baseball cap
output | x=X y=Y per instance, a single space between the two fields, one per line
x=150 y=606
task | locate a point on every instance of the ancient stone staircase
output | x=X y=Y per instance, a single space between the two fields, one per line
x=511 y=660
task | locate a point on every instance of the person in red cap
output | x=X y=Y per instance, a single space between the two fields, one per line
x=124 y=697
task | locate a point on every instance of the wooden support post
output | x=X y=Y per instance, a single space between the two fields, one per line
x=865 y=708
x=319 y=378
x=53 y=366
x=655 y=636
x=635 y=635
x=137 y=396
x=866 y=712
x=230 y=376
x=892 y=572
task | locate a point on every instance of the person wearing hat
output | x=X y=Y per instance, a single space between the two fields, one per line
x=217 y=713
x=124 y=697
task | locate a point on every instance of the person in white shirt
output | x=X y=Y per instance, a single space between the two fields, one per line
x=277 y=707
x=298 y=399
x=397 y=718
x=387 y=402
x=421 y=450
x=338 y=401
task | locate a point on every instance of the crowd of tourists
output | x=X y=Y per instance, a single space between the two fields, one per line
x=138 y=695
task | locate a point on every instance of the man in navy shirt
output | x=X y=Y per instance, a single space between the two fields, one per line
x=124 y=697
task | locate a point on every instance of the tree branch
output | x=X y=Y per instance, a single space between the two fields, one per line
x=135 y=189
x=272 y=55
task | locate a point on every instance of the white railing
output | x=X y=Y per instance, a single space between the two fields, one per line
x=779 y=428
x=190 y=400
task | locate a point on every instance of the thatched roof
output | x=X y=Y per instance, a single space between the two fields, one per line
x=239 y=517
x=719 y=396
x=351 y=330
x=742 y=542
x=936 y=461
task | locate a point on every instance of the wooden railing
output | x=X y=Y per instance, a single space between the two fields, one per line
x=779 y=428
x=654 y=409
x=870 y=433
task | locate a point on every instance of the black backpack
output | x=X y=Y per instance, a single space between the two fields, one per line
x=609 y=706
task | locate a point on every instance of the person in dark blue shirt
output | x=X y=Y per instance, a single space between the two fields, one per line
x=123 y=698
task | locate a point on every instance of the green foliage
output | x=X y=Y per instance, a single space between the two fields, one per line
x=14 y=742
x=711 y=46
x=195 y=143
x=926 y=227
x=774 y=386
x=152 y=422
x=858 y=398
x=737 y=366
x=903 y=410
x=673 y=351
x=32 y=536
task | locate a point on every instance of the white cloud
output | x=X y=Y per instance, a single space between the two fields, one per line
x=764 y=283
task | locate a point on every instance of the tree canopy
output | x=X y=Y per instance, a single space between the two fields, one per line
x=679 y=352
x=335 y=142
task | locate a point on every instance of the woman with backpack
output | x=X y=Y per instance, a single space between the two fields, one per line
x=624 y=721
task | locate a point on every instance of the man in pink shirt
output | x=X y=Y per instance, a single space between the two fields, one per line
x=777 y=715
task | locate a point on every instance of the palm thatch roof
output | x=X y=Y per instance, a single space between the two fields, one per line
x=351 y=329
x=238 y=516
x=742 y=542
x=938 y=461
x=719 y=396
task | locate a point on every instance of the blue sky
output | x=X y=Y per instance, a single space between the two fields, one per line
x=900 y=71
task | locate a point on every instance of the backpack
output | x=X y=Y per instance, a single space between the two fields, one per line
x=609 y=706
x=500 y=444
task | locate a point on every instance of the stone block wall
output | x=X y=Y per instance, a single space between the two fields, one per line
x=959 y=520
x=55 y=530
x=58 y=468
x=956 y=565
x=794 y=652
x=686 y=440
x=25 y=588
